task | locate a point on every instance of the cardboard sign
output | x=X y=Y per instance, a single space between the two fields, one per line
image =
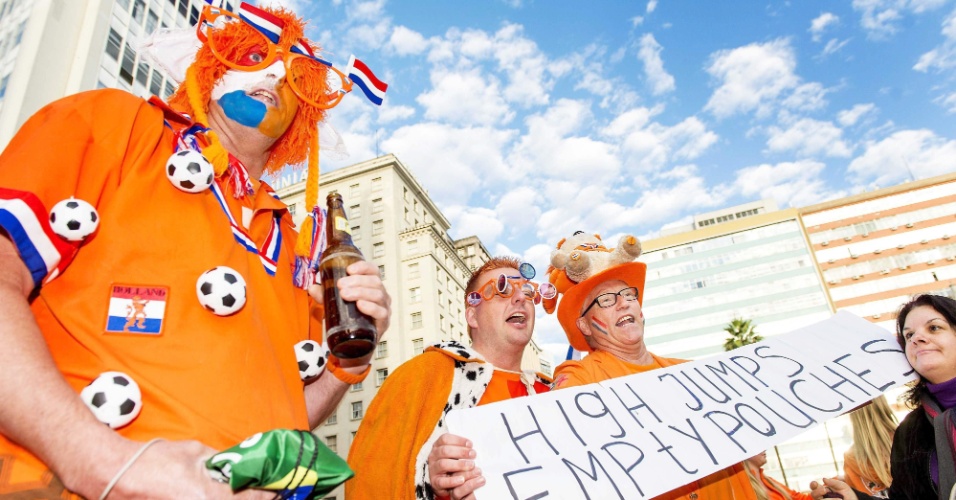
x=643 y=435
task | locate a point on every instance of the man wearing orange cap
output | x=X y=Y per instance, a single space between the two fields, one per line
x=601 y=315
x=140 y=251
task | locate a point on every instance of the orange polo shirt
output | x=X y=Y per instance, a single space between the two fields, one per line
x=205 y=377
x=727 y=484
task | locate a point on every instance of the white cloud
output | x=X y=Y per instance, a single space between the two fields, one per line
x=648 y=146
x=948 y=102
x=452 y=163
x=651 y=6
x=371 y=36
x=806 y=97
x=539 y=256
x=849 y=117
x=518 y=209
x=527 y=69
x=395 y=112
x=650 y=54
x=637 y=21
x=477 y=221
x=821 y=23
x=881 y=18
x=891 y=160
x=808 y=137
x=365 y=10
x=407 y=42
x=789 y=183
x=466 y=98
x=943 y=56
x=554 y=147
x=833 y=46
x=751 y=78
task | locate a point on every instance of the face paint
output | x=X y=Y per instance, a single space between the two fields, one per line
x=599 y=326
x=232 y=93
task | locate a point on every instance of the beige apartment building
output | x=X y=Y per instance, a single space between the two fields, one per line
x=398 y=227
x=878 y=248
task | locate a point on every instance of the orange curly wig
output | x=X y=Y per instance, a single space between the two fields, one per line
x=299 y=143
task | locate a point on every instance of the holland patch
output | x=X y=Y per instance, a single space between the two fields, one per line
x=137 y=309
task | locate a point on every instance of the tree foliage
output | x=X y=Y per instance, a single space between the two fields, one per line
x=741 y=332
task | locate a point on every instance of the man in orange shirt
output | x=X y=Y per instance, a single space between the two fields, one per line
x=156 y=292
x=393 y=454
x=601 y=314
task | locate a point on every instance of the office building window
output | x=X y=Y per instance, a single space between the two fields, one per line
x=416 y=320
x=418 y=346
x=378 y=227
x=151 y=21
x=127 y=66
x=381 y=272
x=332 y=442
x=193 y=16
x=139 y=7
x=142 y=74
x=412 y=246
x=156 y=83
x=356 y=233
x=292 y=209
x=333 y=419
x=183 y=7
x=357 y=410
x=377 y=184
x=354 y=190
x=415 y=294
x=378 y=250
x=381 y=350
x=377 y=205
x=113 y=43
x=413 y=271
x=355 y=212
x=168 y=90
x=356 y=387
x=380 y=376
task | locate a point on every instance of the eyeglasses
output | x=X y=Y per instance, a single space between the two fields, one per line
x=244 y=46
x=505 y=286
x=609 y=299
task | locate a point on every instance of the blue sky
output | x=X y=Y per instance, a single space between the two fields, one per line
x=527 y=120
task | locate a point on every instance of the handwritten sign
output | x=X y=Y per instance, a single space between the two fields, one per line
x=643 y=435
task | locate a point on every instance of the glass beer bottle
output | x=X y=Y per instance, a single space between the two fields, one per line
x=349 y=333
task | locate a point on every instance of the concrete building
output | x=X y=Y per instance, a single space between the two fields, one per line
x=877 y=249
x=53 y=48
x=397 y=226
x=752 y=262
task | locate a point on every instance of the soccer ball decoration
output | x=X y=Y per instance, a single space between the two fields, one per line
x=190 y=171
x=73 y=219
x=221 y=290
x=311 y=357
x=114 y=398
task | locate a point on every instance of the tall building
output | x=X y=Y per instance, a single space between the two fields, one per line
x=50 y=49
x=750 y=262
x=397 y=226
x=878 y=248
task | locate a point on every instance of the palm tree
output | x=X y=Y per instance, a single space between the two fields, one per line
x=742 y=332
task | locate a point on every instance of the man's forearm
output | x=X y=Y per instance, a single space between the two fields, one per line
x=40 y=411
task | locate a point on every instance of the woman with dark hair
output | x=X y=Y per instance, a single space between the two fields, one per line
x=922 y=460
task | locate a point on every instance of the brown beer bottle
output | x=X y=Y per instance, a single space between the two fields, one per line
x=349 y=333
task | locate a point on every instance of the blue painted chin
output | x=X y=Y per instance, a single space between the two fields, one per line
x=242 y=108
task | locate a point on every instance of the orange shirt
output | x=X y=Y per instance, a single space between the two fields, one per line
x=730 y=483
x=206 y=377
x=772 y=486
x=505 y=385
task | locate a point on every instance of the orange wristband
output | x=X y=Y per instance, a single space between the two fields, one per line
x=345 y=376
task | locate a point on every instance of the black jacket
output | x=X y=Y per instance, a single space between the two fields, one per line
x=913 y=446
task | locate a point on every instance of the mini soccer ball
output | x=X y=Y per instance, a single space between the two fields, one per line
x=73 y=219
x=311 y=357
x=190 y=171
x=221 y=290
x=114 y=398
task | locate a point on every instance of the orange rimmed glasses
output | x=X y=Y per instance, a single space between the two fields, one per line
x=505 y=286
x=306 y=74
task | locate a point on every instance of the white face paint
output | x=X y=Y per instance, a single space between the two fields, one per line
x=234 y=79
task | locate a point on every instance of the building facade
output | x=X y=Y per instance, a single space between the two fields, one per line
x=879 y=248
x=397 y=226
x=53 y=48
